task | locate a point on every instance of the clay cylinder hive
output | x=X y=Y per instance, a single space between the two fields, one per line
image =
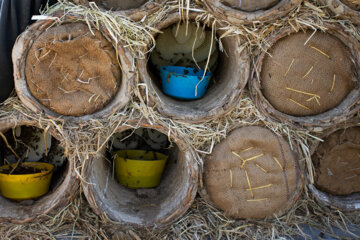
x=252 y=174
x=337 y=170
x=133 y=9
x=64 y=184
x=308 y=80
x=144 y=207
x=239 y=12
x=66 y=71
x=225 y=88
x=348 y=9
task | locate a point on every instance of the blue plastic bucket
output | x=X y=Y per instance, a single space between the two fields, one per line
x=184 y=82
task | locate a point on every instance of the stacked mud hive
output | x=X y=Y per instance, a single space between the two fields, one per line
x=285 y=76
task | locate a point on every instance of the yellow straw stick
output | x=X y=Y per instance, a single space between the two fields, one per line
x=333 y=84
x=316 y=99
x=299 y=91
x=230 y=178
x=247 y=149
x=308 y=72
x=299 y=104
x=265 y=186
x=292 y=62
x=320 y=51
x=263 y=169
x=251 y=158
x=277 y=161
x=247 y=178
x=256 y=200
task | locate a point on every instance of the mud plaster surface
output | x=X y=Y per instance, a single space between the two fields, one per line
x=71 y=71
x=272 y=183
x=320 y=74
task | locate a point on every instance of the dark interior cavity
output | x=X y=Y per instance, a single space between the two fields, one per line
x=228 y=80
x=21 y=143
x=214 y=81
x=141 y=206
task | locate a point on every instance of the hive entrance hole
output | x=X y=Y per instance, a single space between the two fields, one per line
x=140 y=206
x=32 y=145
x=182 y=57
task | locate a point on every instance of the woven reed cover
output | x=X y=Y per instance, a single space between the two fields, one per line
x=337 y=162
x=273 y=175
x=306 y=80
x=354 y=4
x=71 y=71
x=250 y=5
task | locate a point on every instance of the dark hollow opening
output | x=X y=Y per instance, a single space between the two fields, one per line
x=29 y=143
x=140 y=206
x=215 y=79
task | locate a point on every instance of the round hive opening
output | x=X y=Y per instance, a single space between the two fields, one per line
x=72 y=71
x=250 y=5
x=337 y=162
x=253 y=173
x=33 y=145
x=307 y=74
x=187 y=45
x=143 y=206
x=229 y=68
x=355 y=5
x=117 y=5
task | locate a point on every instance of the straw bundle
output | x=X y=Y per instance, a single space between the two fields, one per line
x=132 y=9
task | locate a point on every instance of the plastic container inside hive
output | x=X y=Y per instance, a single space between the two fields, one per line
x=143 y=206
x=198 y=46
x=34 y=145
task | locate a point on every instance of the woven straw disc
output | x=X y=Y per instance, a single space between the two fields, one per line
x=63 y=71
x=337 y=162
x=252 y=174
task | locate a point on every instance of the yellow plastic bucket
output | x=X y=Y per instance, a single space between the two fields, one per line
x=26 y=186
x=139 y=168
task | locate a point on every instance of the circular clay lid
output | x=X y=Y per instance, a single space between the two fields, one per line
x=306 y=74
x=337 y=162
x=72 y=71
x=252 y=174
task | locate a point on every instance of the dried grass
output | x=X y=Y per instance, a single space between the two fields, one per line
x=202 y=221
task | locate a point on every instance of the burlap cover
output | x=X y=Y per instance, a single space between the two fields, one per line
x=252 y=174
